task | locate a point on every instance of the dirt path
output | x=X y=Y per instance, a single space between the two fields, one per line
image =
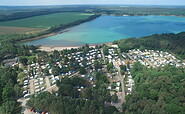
x=47 y=82
x=24 y=110
x=32 y=86
x=122 y=95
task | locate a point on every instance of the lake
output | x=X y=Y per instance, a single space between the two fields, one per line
x=110 y=28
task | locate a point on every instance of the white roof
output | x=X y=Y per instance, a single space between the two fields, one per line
x=42 y=88
x=26 y=95
x=115 y=46
x=25 y=81
x=130 y=89
x=117 y=88
x=118 y=83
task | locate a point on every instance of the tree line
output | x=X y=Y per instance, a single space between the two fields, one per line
x=140 y=10
x=173 y=43
x=13 y=13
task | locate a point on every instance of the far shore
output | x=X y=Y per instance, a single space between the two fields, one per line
x=62 y=30
x=45 y=36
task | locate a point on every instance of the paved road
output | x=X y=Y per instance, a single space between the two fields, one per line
x=51 y=88
x=130 y=56
x=146 y=60
x=142 y=58
x=121 y=96
x=103 y=54
x=122 y=83
x=75 y=73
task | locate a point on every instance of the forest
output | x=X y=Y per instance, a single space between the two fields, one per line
x=173 y=43
x=156 y=91
x=141 y=10
x=9 y=91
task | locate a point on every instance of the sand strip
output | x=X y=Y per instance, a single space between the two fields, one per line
x=48 y=48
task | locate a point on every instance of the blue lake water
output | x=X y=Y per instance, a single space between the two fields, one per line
x=110 y=28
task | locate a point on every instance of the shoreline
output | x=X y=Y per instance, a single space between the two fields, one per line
x=52 y=48
x=59 y=30
x=143 y=15
x=38 y=37
x=68 y=28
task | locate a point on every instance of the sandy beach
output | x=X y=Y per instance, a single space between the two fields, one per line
x=48 y=48
x=52 y=48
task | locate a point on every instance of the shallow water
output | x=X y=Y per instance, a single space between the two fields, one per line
x=109 y=28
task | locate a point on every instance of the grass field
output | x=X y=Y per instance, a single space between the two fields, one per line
x=10 y=30
x=46 y=21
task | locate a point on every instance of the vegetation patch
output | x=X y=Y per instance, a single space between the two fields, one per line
x=156 y=91
x=46 y=21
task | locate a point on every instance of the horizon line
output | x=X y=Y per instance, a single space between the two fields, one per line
x=97 y=5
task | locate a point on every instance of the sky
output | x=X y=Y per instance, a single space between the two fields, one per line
x=73 y=2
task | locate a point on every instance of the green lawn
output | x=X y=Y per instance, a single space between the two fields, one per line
x=46 y=21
